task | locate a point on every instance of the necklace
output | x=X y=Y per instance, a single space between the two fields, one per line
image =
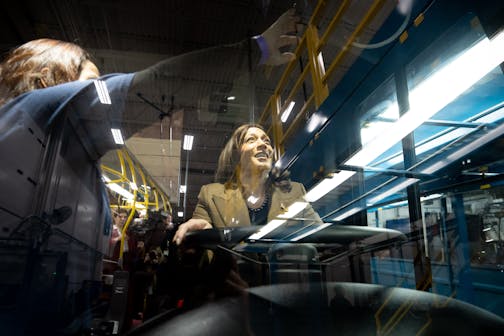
x=251 y=200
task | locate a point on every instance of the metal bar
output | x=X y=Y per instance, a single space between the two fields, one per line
x=297 y=85
x=332 y=24
x=316 y=63
x=449 y=123
x=298 y=117
x=375 y=7
x=386 y=171
x=277 y=127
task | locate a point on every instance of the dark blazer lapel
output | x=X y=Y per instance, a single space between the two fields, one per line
x=231 y=208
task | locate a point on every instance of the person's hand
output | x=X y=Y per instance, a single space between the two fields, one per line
x=191 y=225
x=276 y=36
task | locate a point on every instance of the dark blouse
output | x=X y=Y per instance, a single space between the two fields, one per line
x=259 y=216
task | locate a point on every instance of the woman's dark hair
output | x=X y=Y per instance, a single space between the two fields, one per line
x=38 y=64
x=229 y=158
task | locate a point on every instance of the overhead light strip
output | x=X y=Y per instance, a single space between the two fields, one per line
x=117 y=135
x=188 y=142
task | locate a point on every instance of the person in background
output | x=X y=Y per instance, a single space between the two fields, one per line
x=119 y=219
x=248 y=190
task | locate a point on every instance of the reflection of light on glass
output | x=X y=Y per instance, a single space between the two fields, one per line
x=439 y=139
x=489 y=240
x=272 y=225
x=430 y=197
x=117 y=135
x=391 y=191
x=312 y=231
x=434 y=93
x=487 y=229
x=328 y=184
x=103 y=93
x=183 y=188
x=287 y=111
x=231 y=98
x=292 y=211
x=316 y=120
x=180 y=214
x=372 y=130
x=133 y=186
x=465 y=150
x=188 y=142
x=430 y=96
x=347 y=213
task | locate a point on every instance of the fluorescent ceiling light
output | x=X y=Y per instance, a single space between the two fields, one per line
x=328 y=184
x=287 y=111
x=188 y=142
x=183 y=188
x=426 y=99
x=103 y=93
x=312 y=231
x=292 y=211
x=117 y=188
x=391 y=191
x=133 y=186
x=118 y=138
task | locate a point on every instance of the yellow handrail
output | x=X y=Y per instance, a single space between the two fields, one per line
x=312 y=44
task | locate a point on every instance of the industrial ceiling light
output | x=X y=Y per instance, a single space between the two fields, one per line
x=188 y=142
x=426 y=99
x=117 y=135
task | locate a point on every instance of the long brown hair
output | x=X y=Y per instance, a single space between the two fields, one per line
x=38 y=64
x=229 y=159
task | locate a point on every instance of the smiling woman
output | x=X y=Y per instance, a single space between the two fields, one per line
x=247 y=189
